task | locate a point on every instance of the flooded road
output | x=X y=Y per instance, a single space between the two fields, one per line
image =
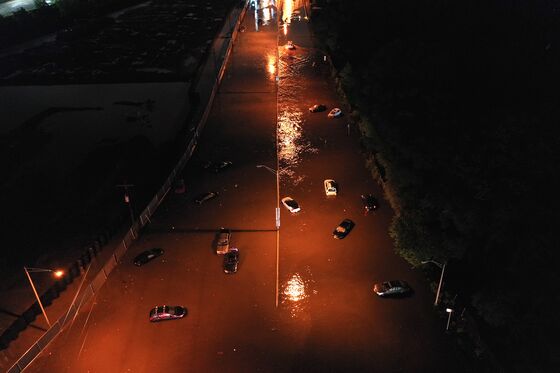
x=327 y=319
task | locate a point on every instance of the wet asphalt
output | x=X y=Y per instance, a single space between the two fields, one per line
x=327 y=318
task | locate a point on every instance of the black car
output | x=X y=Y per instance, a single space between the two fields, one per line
x=147 y=255
x=370 y=202
x=205 y=197
x=392 y=288
x=231 y=260
x=317 y=108
x=343 y=229
x=217 y=166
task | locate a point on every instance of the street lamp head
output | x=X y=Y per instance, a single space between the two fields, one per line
x=58 y=273
x=272 y=170
x=448 y=310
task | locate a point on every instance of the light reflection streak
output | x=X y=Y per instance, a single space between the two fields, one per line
x=289 y=132
x=294 y=296
x=271 y=65
x=287 y=10
x=295 y=289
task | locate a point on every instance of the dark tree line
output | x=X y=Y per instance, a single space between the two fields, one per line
x=458 y=102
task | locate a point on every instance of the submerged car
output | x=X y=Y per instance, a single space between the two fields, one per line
x=393 y=287
x=160 y=313
x=291 y=204
x=217 y=166
x=147 y=256
x=222 y=245
x=205 y=197
x=317 y=108
x=220 y=166
x=331 y=188
x=231 y=260
x=343 y=229
x=336 y=112
x=370 y=202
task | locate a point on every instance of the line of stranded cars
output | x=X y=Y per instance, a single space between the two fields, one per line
x=370 y=203
x=231 y=254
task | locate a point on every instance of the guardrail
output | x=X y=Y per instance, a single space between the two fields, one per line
x=144 y=218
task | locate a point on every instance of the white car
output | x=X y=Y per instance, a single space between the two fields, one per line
x=336 y=112
x=291 y=204
x=290 y=45
x=331 y=188
x=222 y=241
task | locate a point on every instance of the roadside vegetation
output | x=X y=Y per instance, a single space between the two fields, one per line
x=459 y=116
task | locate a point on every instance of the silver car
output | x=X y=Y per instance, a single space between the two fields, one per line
x=393 y=287
x=222 y=245
x=205 y=197
x=331 y=188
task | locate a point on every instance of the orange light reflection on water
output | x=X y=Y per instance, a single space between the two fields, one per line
x=295 y=289
x=271 y=65
x=287 y=10
x=289 y=132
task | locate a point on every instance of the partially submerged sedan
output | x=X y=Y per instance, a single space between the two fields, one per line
x=147 y=256
x=224 y=237
x=205 y=197
x=343 y=229
x=393 y=287
x=291 y=204
x=331 y=187
x=231 y=260
x=317 y=108
x=160 y=313
x=335 y=113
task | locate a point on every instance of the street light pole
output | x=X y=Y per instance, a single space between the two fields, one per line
x=449 y=311
x=27 y=271
x=440 y=283
x=275 y=172
x=442 y=266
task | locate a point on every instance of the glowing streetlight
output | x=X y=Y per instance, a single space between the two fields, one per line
x=56 y=273
x=449 y=311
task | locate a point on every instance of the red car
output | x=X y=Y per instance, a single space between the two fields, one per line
x=160 y=313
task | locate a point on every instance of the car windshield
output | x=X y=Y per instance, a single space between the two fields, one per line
x=292 y=203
